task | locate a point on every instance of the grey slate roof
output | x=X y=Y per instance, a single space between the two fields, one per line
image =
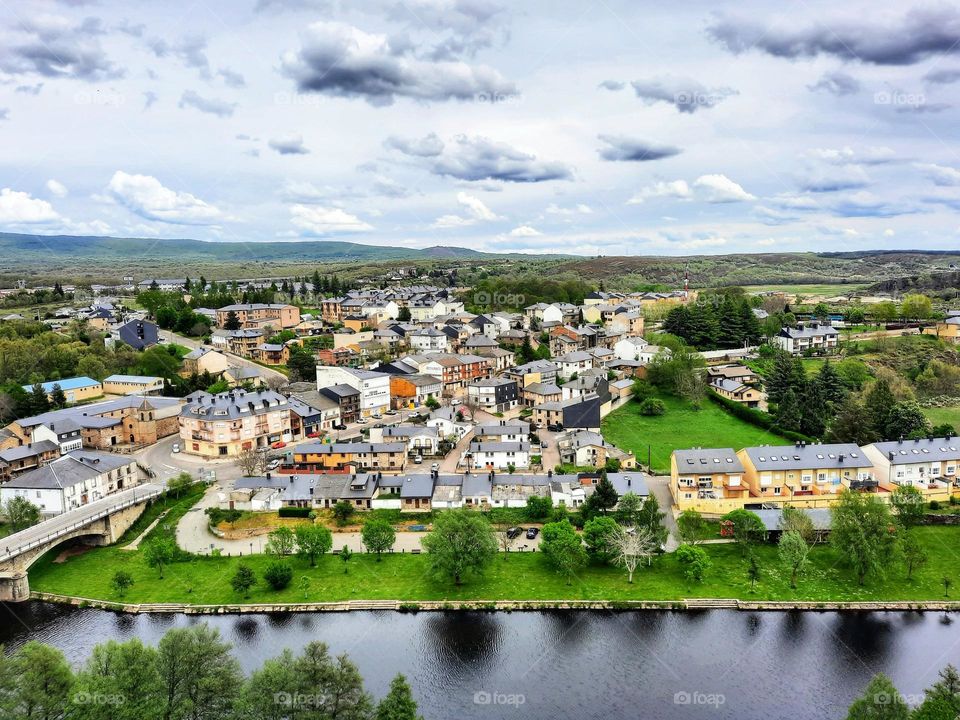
x=814 y=457
x=712 y=460
x=907 y=452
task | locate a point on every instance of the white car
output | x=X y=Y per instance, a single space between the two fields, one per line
x=176 y=447
x=417 y=459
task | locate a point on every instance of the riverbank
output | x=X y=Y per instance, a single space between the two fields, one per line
x=517 y=578
x=498 y=606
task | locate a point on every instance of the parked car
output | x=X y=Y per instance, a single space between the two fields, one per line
x=532 y=533
x=390 y=412
x=544 y=444
x=273 y=464
x=278 y=444
x=377 y=416
x=435 y=466
x=514 y=532
x=361 y=421
x=339 y=426
x=176 y=447
x=314 y=434
x=417 y=459
x=555 y=428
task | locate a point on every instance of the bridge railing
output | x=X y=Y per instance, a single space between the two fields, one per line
x=11 y=549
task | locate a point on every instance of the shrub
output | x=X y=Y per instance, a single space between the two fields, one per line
x=218 y=516
x=934 y=504
x=652 y=407
x=278 y=574
x=294 y=512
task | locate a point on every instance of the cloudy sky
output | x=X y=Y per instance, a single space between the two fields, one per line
x=578 y=127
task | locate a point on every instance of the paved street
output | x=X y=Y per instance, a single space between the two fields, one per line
x=659 y=486
x=169 y=337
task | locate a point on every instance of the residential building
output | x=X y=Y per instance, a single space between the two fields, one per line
x=806 y=473
x=737 y=391
x=408 y=391
x=323 y=412
x=567 y=414
x=72 y=481
x=496 y=455
x=374 y=387
x=203 y=360
x=585 y=448
x=428 y=340
x=272 y=353
x=708 y=480
x=138 y=334
x=540 y=393
x=261 y=315
x=573 y=363
x=19 y=459
x=811 y=337
x=340 y=457
x=505 y=430
x=228 y=423
x=736 y=373
x=493 y=394
x=930 y=464
x=347 y=399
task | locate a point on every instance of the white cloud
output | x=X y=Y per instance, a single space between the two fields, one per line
x=147 y=197
x=721 y=189
x=18 y=208
x=321 y=221
x=673 y=189
x=579 y=208
x=288 y=145
x=940 y=174
x=525 y=231
x=703 y=242
x=56 y=188
x=476 y=211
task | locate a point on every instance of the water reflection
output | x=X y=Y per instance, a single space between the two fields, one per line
x=569 y=664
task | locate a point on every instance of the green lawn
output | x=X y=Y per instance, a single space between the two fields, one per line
x=521 y=576
x=681 y=427
x=941 y=415
x=815 y=289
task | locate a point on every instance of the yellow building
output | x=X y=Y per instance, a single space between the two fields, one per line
x=709 y=480
x=133 y=385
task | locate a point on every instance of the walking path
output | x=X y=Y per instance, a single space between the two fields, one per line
x=136 y=543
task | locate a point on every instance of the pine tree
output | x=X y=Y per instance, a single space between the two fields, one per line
x=830 y=383
x=789 y=414
x=781 y=377
x=398 y=703
x=878 y=403
x=39 y=402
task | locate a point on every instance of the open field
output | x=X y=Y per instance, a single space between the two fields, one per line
x=941 y=415
x=519 y=576
x=680 y=427
x=825 y=289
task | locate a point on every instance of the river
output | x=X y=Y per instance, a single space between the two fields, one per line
x=554 y=665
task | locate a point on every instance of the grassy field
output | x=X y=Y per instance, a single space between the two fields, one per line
x=680 y=427
x=829 y=290
x=518 y=576
x=941 y=415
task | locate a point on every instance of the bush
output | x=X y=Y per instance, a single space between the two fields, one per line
x=218 y=516
x=755 y=417
x=294 y=512
x=934 y=504
x=652 y=407
x=278 y=574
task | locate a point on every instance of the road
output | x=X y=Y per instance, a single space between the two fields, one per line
x=659 y=486
x=60 y=525
x=169 y=337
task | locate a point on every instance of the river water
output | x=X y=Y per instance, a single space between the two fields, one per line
x=554 y=665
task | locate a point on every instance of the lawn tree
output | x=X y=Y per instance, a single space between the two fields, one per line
x=178 y=485
x=243 y=579
x=462 y=542
x=538 y=507
x=795 y=519
x=342 y=511
x=121 y=582
x=159 y=553
x=631 y=547
x=748 y=528
x=604 y=495
x=908 y=505
x=506 y=542
x=248 y=460
x=599 y=534
x=794 y=553
x=694 y=562
x=880 y=701
x=398 y=704
x=378 y=536
x=304 y=586
x=313 y=541
x=651 y=518
x=345 y=554
x=863 y=533
x=753 y=571
x=691 y=527
x=914 y=554
x=21 y=513
x=947 y=584
x=629 y=509
x=563 y=549
x=281 y=541
x=278 y=574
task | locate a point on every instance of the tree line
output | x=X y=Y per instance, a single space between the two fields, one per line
x=192 y=674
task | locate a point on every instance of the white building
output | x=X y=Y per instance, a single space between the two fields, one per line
x=573 y=362
x=428 y=340
x=374 y=387
x=76 y=479
x=497 y=455
x=813 y=337
x=915 y=462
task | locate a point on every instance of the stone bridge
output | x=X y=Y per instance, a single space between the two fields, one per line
x=101 y=522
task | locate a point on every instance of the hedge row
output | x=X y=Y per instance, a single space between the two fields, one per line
x=294 y=512
x=756 y=417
